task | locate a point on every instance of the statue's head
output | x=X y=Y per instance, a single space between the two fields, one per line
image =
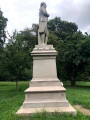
x=43 y=4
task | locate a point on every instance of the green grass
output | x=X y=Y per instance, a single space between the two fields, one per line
x=79 y=94
x=10 y=102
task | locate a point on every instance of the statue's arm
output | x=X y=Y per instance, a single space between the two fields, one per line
x=45 y=12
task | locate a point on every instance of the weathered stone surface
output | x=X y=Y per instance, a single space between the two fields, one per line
x=37 y=97
x=31 y=111
x=42 y=82
x=44 y=62
x=45 y=89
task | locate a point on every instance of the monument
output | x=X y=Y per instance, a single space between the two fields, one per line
x=45 y=91
x=43 y=19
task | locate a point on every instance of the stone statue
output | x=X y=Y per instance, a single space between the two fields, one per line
x=43 y=19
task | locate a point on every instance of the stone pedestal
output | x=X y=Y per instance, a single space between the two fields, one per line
x=45 y=90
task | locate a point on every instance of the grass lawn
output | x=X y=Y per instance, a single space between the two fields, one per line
x=10 y=101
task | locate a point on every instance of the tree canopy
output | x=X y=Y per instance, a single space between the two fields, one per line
x=73 y=50
x=3 y=23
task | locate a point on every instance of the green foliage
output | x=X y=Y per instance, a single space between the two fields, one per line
x=16 y=58
x=3 y=71
x=53 y=39
x=28 y=36
x=3 y=23
x=10 y=102
x=73 y=50
x=61 y=28
x=76 y=57
x=4 y=74
x=18 y=55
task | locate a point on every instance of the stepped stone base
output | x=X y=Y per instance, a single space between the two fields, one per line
x=50 y=99
x=46 y=91
x=61 y=110
x=36 y=97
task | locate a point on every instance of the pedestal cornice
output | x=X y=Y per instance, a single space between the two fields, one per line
x=44 y=50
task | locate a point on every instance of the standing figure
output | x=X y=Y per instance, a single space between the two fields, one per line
x=43 y=19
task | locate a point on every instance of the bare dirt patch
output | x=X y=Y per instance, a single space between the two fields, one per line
x=83 y=110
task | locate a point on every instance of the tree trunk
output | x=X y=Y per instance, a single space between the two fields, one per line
x=17 y=85
x=73 y=83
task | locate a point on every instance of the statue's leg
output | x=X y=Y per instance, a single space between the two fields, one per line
x=39 y=38
x=46 y=37
x=42 y=38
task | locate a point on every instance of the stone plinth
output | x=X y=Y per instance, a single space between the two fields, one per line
x=45 y=90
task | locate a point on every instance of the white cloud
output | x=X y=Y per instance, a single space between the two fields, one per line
x=22 y=13
x=86 y=29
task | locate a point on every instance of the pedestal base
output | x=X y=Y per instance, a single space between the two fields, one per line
x=46 y=90
x=61 y=110
x=50 y=99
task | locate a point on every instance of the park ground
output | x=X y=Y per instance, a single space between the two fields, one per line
x=10 y=102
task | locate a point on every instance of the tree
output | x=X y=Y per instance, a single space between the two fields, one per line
x=3 y=23
x=18 y=53
x=18 y=58
x=73 y=57
x=61 y=29
x=28 y=37
x=4 y=74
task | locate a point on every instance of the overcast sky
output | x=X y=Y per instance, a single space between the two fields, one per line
x=23 y=13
